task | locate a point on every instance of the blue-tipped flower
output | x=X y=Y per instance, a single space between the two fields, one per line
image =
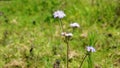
x=59 y=14
x=90 y=49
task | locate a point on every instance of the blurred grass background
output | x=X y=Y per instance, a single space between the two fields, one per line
x=30 y=36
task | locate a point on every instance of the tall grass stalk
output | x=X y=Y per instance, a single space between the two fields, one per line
x=92 y=41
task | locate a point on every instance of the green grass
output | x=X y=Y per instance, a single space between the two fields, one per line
x=18 y=34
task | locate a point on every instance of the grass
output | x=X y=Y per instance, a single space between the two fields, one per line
x=27 y=24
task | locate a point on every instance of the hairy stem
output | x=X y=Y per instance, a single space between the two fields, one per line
x=83 y=60
x=67 y=51
x=61 y=25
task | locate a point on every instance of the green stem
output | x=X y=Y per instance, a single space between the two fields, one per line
x=61 y=25
x=73 y=30
x=67 y=42
x=83 y=61
x=92 y=2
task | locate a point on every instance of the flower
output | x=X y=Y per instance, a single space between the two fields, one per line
x=74 y=25
x=63 y=33
x=59 y=14
x=66 y=34
x=90 y=49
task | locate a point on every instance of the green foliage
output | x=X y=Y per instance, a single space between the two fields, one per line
x=99 y=23
x=90 y=62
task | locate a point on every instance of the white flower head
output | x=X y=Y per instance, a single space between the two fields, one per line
x=63 y=33
x=59 y=14
x=66 y=34
x=74 y=25
x=90 y=49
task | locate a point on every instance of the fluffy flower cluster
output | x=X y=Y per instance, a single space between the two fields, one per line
x=66 y=34
x=59 y=14
x=90 y=49
x=74 y=25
